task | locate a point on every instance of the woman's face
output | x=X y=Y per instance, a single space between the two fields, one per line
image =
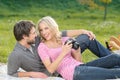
x=45 y=31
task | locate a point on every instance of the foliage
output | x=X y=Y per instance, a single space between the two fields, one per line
x=93 y=5
x=106 y=1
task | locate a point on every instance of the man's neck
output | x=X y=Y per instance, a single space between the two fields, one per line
x=25 y=44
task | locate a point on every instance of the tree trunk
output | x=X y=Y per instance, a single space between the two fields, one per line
x=105 y=12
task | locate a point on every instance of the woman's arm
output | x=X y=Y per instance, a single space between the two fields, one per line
x=52 y=66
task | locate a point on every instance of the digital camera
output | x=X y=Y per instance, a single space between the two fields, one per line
x=75 y=44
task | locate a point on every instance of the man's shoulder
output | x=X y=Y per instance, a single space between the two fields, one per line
x=17 y=51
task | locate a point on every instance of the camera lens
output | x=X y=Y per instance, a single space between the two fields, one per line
x=75 y=44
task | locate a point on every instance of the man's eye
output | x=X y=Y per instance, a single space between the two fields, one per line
x=40 y=30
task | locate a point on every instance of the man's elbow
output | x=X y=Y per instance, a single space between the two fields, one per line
x=12 y=74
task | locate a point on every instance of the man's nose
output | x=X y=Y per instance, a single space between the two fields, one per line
x=35 y=34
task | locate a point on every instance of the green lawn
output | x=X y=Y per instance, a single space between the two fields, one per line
x=67 y=20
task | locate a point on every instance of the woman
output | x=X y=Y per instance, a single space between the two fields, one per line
x=60 y=57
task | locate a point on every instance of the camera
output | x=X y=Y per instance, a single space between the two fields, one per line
x=75 y=44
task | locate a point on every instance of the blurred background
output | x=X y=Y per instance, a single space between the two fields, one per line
x=100 y=16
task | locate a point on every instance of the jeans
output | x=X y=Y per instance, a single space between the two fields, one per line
x=99 y=69
x=93 y=45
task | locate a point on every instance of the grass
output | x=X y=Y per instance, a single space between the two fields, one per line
x=67 y=20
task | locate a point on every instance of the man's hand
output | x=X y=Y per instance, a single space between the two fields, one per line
x=32 y=74
x=38 y=75
x=89 y=33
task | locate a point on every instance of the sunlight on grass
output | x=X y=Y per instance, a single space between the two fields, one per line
x=70 y=20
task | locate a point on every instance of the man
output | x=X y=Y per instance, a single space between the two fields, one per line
x=25 y=54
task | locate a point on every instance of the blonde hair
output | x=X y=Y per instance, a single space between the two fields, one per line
x=52 y=24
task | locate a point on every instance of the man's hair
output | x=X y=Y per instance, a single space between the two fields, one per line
x=21 y=28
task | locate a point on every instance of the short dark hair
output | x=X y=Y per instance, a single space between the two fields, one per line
x=21 y=28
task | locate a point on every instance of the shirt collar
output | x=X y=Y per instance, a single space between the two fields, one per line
x=23 y=47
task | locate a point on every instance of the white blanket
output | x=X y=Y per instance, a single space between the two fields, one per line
x=4 y=76
x=117 y=51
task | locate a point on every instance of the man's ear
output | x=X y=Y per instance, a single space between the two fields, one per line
x=25 y=36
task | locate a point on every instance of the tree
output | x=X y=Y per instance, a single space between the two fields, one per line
x=93 y=5
x=105 y=2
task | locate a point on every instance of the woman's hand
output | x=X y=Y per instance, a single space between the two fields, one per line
x=66 y=48
x=77 y=54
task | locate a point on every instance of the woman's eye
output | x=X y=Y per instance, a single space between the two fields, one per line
x=46 y=28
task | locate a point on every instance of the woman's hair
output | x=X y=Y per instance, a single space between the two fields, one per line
x=52 y=25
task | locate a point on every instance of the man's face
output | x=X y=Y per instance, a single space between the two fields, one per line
x=31 y=37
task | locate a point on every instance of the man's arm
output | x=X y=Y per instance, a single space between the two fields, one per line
x=14 y=65
x=72 y=33
x=32 y=74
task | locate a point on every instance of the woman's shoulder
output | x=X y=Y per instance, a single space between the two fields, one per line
x=65 y=38
x=42 y=45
